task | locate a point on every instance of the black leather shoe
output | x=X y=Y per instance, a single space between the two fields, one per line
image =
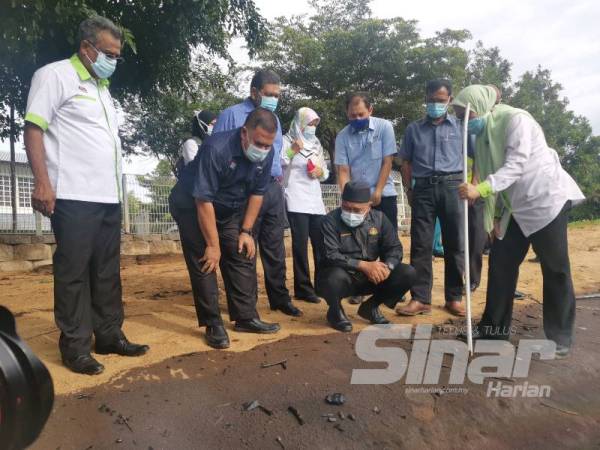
x=256 y=326
x=122 y=347
x=310 y=299
x=288 y=309
x=369 y=311
x=338 y=320
x=216 y=336
x=84 y=364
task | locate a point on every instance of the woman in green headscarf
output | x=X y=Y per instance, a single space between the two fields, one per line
x=527 y=198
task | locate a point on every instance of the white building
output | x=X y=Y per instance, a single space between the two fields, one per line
x=26 y=221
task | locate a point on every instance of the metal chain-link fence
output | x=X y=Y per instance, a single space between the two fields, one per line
x=145 y=205
x=146 y=208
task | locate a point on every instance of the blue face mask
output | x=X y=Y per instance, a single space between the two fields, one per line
x=476 y=125
x=269 y=103
x=256 y=154
x=351 y=219
x=436 y=110
x=104 y=66
x=359 y=124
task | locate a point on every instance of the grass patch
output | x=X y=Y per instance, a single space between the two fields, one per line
x=584 y=223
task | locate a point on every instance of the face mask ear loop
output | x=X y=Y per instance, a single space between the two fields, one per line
x=202 y=124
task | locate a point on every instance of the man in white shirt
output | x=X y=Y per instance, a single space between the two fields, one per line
x=73 y=147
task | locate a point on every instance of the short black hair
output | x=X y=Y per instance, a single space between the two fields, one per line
x=263 y=77
x=360 y=96
x=435 y=85
x=263 y=118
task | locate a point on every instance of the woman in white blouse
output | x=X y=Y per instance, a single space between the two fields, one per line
x=527 y=198
x=304 y=169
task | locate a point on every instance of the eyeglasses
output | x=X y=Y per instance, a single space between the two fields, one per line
x=118 y=59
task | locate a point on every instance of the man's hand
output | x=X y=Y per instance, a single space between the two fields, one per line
x=297 y=145
x=43 y=199
x=409 y=197
x=469 y=192
x=376 y=198
x=211 y=258
x=376 y=271
x=246 y=245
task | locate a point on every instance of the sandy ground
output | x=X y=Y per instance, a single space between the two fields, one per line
x=159 y=311
x=196 y=402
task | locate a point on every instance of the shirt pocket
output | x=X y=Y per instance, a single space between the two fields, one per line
x=86 y=108
x=451 y=148
x=376 y=148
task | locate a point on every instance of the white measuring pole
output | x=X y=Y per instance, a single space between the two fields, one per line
x=466 y=230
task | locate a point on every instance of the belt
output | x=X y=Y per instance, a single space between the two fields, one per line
x=436 y=179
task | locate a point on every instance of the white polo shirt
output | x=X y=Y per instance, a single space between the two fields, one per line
x=83 y=149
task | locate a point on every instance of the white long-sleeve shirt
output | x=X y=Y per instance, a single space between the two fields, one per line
x=535 y=183
x=302 y=192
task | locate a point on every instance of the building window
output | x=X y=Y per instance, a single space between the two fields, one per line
x=25 y=185
x=5 y=191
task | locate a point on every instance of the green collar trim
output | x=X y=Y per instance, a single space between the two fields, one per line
x=83 y=72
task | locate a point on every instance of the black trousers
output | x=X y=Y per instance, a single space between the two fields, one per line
x=87 y=278
x=550 y=244
x=335 y=283
x=477 y=240
x=389 y=207
x=303 y=227
x=269 y=234
x=430 y=201
x=238 y=272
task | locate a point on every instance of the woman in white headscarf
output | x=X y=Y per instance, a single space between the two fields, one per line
x=304 y=164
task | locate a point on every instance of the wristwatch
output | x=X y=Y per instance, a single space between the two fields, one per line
x=390 y=265
x=246 y=231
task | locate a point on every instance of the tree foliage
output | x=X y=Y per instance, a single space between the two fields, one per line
x=160 y=37
x=159 y=123
x=341 y=48
x=171 y=70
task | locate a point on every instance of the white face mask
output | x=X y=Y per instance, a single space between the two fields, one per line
x=309 y=132
x=209 y=129
x=351 y=219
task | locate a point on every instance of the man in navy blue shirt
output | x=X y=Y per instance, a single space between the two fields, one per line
x=433 y=157
x=215 y=204
x=264 y=92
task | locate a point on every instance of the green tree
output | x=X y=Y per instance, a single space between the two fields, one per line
x=341 y=48
x=36 y=32
x=487 y=66
x=158 y=124
x=537 y=93
x=584 y=166
x=569 y=134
